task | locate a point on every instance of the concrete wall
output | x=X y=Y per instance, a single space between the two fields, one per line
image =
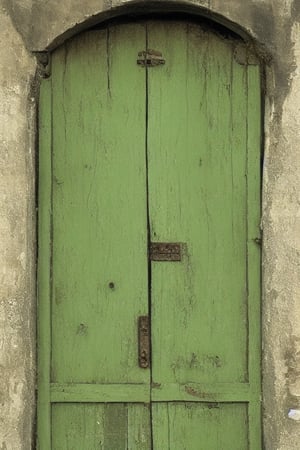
x=17 y=248
x=35 y=25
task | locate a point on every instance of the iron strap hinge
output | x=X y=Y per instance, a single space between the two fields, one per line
x=144 y=341
x=150 y=58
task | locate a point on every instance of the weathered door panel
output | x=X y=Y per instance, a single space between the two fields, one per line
x=200 y=426
x=174 y=148
x=203 y=177
x=197 y=154
x=98 y=252
x=99 y=260
x=117 y=426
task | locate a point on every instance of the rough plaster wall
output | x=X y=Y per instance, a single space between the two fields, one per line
x=274 y=25
x=281 y=265
x=16 y=243
x=41 y=23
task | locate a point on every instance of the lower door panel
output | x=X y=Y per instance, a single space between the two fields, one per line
x=126 y=426
x=101 y=426
x=200 y=426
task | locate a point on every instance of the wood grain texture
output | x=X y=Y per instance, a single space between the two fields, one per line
x=101 y=426
x=44 y=268
x=137 y=393
x=191 y=426
x=196 y=392
x=254 y=251
x=100 y=270
x=204 y=124
x=177 y=146
x=197 y=195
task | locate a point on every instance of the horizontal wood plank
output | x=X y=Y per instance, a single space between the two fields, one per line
x=194 y=392
x=136 y=393
x=100 y=393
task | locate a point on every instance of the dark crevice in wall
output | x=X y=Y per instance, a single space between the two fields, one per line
x=296 y=10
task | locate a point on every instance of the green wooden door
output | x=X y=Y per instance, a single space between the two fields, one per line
x=131 y=155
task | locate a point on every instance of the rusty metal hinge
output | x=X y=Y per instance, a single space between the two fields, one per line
x=144 y=341
x=150 y=58
x=165 y=251
x=258 y=240
x=44 y=64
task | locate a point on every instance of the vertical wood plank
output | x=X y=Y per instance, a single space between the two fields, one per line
x=160 y=426
x=78 y=426
x=208 y=298
x=254 y=250
x=100 y=265
x=115 y=426
x=197 y=195
x=238 y=155
x=139 y=427
x=44 y=259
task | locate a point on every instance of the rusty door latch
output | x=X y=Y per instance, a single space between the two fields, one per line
x=165 y=251
x=150 y=58
x=144 y=341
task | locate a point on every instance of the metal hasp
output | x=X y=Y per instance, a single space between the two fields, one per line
x=150 y=58
x=165 y=251
x=144 y=342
